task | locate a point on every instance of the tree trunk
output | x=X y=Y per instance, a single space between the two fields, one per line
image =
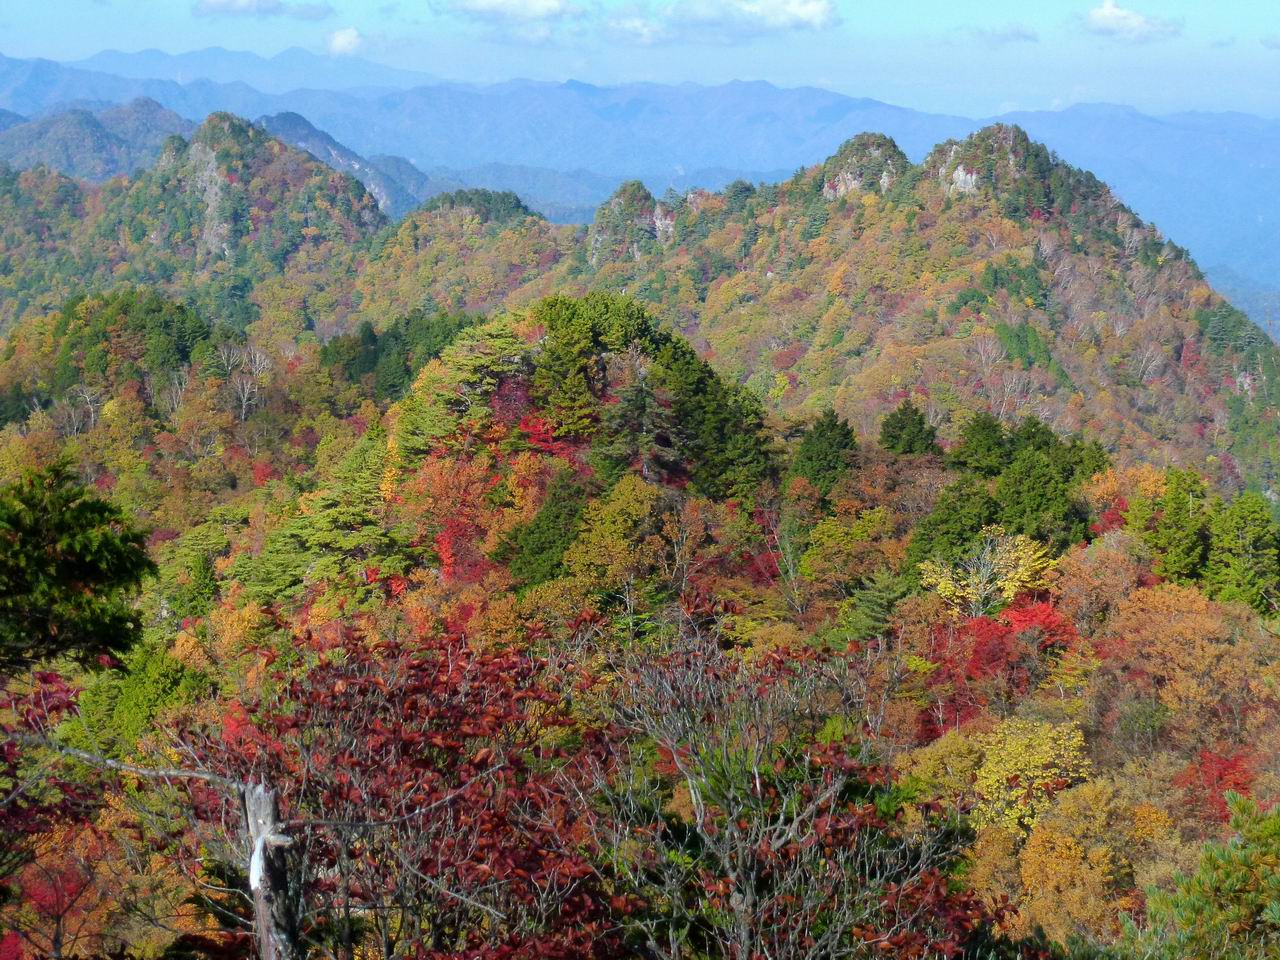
x=274 y=905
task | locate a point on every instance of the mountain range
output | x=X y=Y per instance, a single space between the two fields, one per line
x=991 y=276
x=1211 y=180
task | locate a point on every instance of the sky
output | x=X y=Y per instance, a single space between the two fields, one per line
x=952 y=56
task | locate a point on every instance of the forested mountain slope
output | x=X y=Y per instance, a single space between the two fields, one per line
x=540 y=624
x=93 y=145
x=233 y=220
x=991 y=277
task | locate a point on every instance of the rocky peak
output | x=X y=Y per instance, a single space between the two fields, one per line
x=1023 y=177
x=629 y=223
x=869 y=163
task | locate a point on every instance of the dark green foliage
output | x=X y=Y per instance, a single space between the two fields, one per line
x=120 y=706
x=907 y=431
x=636 y=431
x=340 y=541
x=1028 y=348
x=1181 y=534
x=195 y=595
x=570 y=370
x=824 y=452
x=984 y=447
x=105 y=340
x=1243 y=562
x=70 y=564
x=716 y=428
x=491 y=206
x=1078 y=460
x=1024 y=283
x=399 y=352
x=536 y=550
x=719 y=427
x=961 y=512
x=1035 y=499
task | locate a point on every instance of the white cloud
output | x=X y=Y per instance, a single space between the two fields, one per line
x=514 y=10
x=786 y=14
x=262 y=8
x=1112 y=20
x=344 y=42
x=723 y=21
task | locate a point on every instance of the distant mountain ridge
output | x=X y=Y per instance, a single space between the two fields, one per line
x=290 y=69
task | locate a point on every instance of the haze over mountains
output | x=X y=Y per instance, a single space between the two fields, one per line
x=1211 y=181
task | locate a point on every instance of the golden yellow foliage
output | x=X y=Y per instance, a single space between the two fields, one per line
x=1025 y=763
x=1000 y=568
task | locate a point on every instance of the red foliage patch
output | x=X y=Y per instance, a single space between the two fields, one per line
x=1209 y=779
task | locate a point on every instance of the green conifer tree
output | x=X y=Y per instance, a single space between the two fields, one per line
x=867 y=612
x=984 y=446
x=1035 y=500
x=1243 y=561
x=959 y=515
x=70 y=565
x=1181 y=535
x=907 y=431
x=824 y=452
x=569 y=368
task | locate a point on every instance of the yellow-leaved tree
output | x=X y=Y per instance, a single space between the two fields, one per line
x=995 y=572
x=1025 y=763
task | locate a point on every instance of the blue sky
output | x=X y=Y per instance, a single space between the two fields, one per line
x=944 y=55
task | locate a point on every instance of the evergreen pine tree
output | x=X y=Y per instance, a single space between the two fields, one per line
x=1035 y=500
x=537 y=549
x=984 y=447
x=961 y=512
x=867 y=612
x=1181 y=533
x=907 y=431
x=568 y=369
x=1033 y=434
x=637 y=430
x=1243 y=561
x=391 y=373
x=824 y=452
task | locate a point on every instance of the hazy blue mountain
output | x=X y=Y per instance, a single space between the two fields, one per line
x=10 y=119
x=92 y=145
x=288 y=70
x=420 y=185
x=393 y=199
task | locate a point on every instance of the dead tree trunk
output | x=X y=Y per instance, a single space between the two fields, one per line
x=274 y=906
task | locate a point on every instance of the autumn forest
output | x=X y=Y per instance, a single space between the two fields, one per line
x=883 y=562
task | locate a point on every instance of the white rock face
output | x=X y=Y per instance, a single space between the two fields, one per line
x=664 y=224
x=963 y=181
x=216 y=235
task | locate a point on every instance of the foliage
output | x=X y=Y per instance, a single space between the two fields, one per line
x=498 y=206
x=1000 y=569
x=1226 y=909
x=824 y=451
x=70 y=565
x=907 y=431
x=1026 y=762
